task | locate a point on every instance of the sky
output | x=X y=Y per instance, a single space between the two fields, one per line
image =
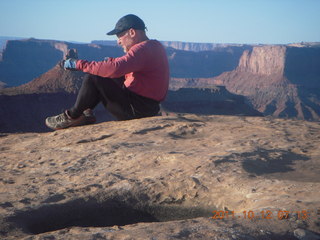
x=211 y=21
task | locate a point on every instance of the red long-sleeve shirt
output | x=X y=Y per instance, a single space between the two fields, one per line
x=145 y=67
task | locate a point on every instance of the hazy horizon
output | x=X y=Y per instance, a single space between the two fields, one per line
x=207 y=21
x=110 y=40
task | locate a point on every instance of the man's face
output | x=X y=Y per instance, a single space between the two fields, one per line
x=125 y=40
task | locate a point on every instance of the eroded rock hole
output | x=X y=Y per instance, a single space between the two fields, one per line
x=94 y=213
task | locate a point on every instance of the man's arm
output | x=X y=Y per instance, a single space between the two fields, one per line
x=133 y=61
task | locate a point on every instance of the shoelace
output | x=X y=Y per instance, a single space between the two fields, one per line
x=61 y=117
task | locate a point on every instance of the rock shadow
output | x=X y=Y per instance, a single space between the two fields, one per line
x=78 y=212
x=96 y=213
x=265 y=161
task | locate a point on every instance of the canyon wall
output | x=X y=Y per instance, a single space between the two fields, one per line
x=198 y=47
x=282 y=81
x=24 y=60
x=301 y=65
x=264 y=60
x=189 y=64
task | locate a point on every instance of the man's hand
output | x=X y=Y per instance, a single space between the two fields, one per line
x=70 y=64
x=71 y=60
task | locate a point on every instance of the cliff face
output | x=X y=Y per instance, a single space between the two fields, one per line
x=24 y=60
x=189 y=64
x=264 y=60
x=300 y=65
x=278 y=80
x=198 y=47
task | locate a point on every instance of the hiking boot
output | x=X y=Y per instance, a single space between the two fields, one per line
x=63 y=120
x=89 y=116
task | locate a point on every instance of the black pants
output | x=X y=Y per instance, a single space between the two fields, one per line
x=117 y=99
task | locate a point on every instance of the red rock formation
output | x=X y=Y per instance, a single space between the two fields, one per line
x=264 y=60
x=278 y=80
x=53 y=81
x=266 y=77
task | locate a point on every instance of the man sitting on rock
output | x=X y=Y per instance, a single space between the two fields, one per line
x=130 y=87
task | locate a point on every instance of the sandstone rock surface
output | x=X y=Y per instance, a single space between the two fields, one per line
x=163 y=178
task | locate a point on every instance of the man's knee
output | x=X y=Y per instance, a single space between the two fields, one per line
x=103 y=81
x=90 y=78
x=93 y=81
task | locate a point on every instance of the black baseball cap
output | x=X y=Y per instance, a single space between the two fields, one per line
x=127 y=22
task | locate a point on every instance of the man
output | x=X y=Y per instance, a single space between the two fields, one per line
x=130 y=87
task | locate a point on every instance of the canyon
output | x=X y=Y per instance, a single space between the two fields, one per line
x=271 y=80
x=24 y=108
